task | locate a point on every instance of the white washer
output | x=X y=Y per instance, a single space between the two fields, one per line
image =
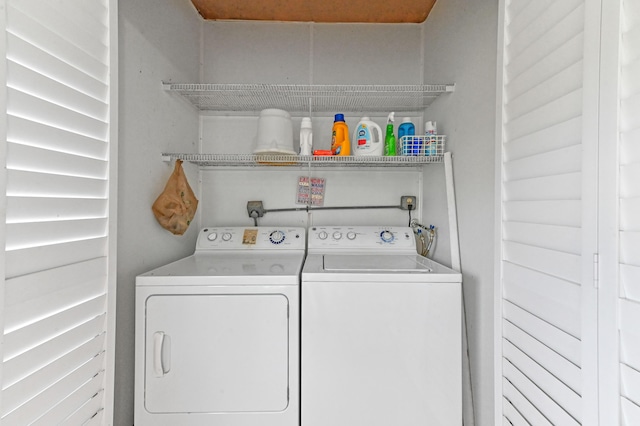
x=381 y=331
x=217 y=333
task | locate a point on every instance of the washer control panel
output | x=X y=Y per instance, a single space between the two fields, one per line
x=251 y=238
x=387 y=238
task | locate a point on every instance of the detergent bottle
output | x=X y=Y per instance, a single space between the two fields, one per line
x=390 y=138
x=306 y=136
x=340 y=144
x=367 y=138
x=407 y=128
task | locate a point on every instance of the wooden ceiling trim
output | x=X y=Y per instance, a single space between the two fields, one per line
x=324 y=11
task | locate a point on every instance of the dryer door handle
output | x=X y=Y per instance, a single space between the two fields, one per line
x=161 y=353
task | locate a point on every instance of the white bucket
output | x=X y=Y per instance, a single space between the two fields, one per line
x=275 y=132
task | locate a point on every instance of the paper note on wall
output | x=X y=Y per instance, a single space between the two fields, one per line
x=310 y=191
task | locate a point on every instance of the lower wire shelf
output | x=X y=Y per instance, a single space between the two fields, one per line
x=263 y=160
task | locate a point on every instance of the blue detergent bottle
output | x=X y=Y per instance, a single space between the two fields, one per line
x=407 y=128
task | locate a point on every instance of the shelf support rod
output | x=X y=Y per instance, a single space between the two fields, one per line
x=467 y=390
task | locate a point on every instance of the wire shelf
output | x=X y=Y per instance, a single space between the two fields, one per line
x=309 y=98
x=250 y=160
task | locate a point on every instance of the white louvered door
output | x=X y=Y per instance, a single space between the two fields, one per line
x=59 y=239
x=629 y=220
x=547 y=193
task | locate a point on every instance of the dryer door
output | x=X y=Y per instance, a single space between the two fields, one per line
x=216 y=353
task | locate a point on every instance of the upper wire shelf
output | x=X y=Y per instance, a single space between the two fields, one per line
x=251 y=160
x=309 y=98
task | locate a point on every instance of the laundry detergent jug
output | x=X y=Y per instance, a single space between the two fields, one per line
x=340 y=144
x=367 y=138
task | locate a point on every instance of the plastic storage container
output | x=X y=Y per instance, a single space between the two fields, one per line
x=275 y=132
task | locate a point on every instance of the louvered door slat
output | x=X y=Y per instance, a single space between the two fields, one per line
x=512 y=415
x=565 y=266
x=86 y=387
x=556 y=162
x=551 y=299
x=630 y=282
x=555 y=389
x=28 y=132
x=547 y=212
x=90 y=413
x=560 y=341
x=630 y=413
x=44 y=378
x=523 y=405
x=559 y=135
x=21 y=261
x=548 y=407
x=560 y=367
x=28 y=29
x=33 y=360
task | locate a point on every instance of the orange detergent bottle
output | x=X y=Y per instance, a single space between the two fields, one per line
x=340 y=144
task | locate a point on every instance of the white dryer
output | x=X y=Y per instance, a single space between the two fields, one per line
x=381 y=331
x=217 y=333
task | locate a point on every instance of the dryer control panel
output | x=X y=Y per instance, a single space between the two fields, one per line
x=250 y=238
x=362 y=238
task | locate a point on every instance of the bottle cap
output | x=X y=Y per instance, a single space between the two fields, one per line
x=339 y=117
x=406 y=120
x=306 y=123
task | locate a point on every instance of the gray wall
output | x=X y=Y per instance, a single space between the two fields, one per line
x=304 y=53
x=158 y=41
x=461 y=47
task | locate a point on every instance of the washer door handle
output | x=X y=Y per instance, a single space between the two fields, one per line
x=161 y=353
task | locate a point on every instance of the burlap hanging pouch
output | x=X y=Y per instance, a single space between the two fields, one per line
x=176 y=206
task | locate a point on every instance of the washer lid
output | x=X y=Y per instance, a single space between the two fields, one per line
x=376 y=263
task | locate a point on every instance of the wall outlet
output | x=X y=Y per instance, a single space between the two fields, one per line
x=408 y=201
x=255 y=209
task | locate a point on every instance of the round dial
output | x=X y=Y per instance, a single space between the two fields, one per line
x=226 y=236
x=323 y=235
x=386 y=236
x=212 y=236
x=337 y=235
x=276 y=237
x=276 y=268
x=351 y=235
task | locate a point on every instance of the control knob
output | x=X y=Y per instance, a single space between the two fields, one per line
x=276 y=237
x=226 y=236
x=386 y=236
x=323 y=235
x=337 y=235
x=351 y=235
x=212 y=236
